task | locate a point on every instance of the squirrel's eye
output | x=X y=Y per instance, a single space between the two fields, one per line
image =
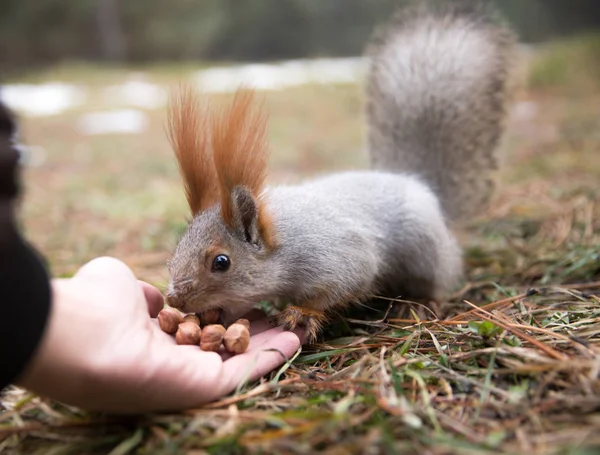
x=221 y=263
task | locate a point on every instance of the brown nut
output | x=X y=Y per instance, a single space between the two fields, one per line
x=210 y=316
x=237 y=338
x=212 y=337
x=191 y=318
x=169 y=319
x=188 y=333
x=244 y=322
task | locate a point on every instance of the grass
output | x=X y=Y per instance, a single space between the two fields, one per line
x=572 y=65
x=511 y=365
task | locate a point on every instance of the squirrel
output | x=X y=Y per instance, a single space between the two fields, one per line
x=437 y=95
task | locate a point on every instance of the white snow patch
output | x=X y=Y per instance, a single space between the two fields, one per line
x=136 y=92
x=290 y=73
x=53 y=98
x=123 y=121
x=42 y=100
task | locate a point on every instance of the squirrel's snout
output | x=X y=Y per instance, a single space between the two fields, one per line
x=173 y=299
x=181 y=297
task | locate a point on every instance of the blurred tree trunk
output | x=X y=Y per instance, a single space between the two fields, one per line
x=110 y=30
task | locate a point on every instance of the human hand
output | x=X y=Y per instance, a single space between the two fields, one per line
x=102 y=351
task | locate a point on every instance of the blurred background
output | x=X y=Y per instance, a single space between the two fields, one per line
x=51 y=31
x=89 y=80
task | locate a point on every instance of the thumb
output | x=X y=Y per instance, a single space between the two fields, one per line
x=104 y=267
x=113 y=275
x=108 y=271
x=109 y=276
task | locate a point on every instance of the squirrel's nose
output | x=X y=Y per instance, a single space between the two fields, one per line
x=173 y=299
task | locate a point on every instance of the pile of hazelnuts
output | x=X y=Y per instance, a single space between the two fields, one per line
x=203 y=330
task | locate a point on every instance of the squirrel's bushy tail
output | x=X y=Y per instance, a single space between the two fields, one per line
x=437 y=93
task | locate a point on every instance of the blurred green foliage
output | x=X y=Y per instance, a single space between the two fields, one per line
x=38 y=32
x=571 y=65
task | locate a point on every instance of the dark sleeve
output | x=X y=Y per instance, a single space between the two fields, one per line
x=24 y=283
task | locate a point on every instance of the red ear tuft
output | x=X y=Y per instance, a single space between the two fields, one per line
x=239 y=143
x=189 y=135
x=218 y=150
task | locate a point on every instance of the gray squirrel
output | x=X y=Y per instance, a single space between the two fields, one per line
x=437 y=92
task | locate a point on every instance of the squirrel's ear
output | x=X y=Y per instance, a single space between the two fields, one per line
x=245 y=215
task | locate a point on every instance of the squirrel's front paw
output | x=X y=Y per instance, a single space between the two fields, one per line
x=294 y=316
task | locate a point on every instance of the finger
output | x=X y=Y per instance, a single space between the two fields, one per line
x=112 y=280
x=256 y=363
x=106 y=269
x=256 y=341
x=154 y=298
x=262 y=325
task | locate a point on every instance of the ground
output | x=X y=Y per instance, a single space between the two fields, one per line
x=512 y=368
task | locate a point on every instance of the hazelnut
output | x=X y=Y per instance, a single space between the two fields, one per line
x=212 y=337
x=237 y=338
x=210 y=316
x=169 y=319
x=191 y=318
x=188 y=333
x=244 y=322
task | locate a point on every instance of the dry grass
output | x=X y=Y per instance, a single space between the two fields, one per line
x=513 y=367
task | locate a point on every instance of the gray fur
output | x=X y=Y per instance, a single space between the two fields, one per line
x=436 y=107
x=358 y=233
x=344 y=237
x=436 y=92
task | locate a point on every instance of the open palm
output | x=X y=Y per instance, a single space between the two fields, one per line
x=103 y=351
